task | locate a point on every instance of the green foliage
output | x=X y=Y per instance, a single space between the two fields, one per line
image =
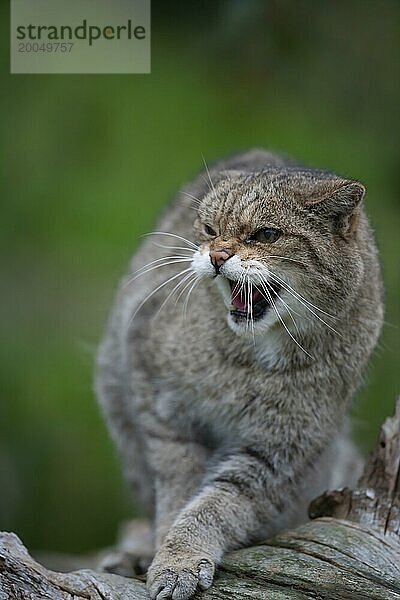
x=89 y=161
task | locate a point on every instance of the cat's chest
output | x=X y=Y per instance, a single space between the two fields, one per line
x=213 y=419
x=209 y=379
x=219 y=408
x=187 y=405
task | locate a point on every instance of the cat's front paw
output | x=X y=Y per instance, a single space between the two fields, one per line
x=178 y=577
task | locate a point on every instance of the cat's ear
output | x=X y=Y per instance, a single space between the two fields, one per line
x=339 y=200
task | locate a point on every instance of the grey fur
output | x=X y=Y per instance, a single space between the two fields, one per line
x=225 y=431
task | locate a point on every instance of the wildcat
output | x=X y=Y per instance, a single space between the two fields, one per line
x=236 y=344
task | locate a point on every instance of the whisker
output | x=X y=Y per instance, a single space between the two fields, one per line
x=238 y=286
x=185 y=287
x=247 y=288
x=248 y=300
x=198 y=200
x=169 y=280
x=271 y=300
x=289 y=310
x=160 y=259
x=179 y=237
x=209 y=177
x=186 y=303
x=175 y=288
x=251 y=314
x=242 y=284
x=294 y=294
x=164 y=264
x=173 y=247
x=236 y=290
x=300 y=297
x=246 y=291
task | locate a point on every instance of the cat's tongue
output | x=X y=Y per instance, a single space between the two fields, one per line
x=240 y=298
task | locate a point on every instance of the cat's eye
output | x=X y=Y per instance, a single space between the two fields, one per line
x=268 y=235
x=209 y=230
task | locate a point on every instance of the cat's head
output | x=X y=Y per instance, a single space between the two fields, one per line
x=282 y=246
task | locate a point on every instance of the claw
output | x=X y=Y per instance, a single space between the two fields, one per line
x=163 y=585
x=186 y=586
x=206 y=574
x=180 y=582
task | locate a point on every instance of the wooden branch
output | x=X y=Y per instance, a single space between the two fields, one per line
x=376 y=500
x=23 y=578
x=351 y=551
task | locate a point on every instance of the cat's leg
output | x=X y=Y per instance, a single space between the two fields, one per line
x=178 y=467
x=244 y=493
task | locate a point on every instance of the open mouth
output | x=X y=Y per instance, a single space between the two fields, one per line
x=251 y=302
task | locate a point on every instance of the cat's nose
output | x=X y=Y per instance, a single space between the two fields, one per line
x=219 y=257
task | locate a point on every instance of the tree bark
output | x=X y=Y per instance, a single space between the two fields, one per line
x=349 y=551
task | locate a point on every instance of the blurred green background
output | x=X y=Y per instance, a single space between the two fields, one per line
x=89 y=161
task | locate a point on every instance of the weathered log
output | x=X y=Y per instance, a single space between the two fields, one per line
x=351 y=550
x=22 y=578
x=376 y=501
